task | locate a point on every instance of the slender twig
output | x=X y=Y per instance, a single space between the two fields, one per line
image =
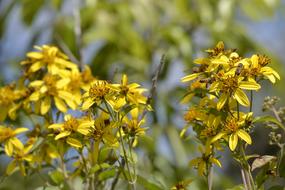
x=154 y=82
x=66 y=49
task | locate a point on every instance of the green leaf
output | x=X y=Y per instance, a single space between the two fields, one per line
x=268 y=118
x=238 y=187
x=261 y=161
x=262 y=176
x=57 y=177
x=107 y=174
x=97 y=167
x=147 y=184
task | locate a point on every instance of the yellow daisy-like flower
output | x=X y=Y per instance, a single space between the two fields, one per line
x=130 y=92
x=52 y=88
x=8 y=105
x=102 y=129
x=233 y=131
x=70 y=127
x=133 y=125
x=20 y=156
x=201 y=163
x=257 y=66
x=98 y=91
x=49 y=57
x=232 y=86
x=9 y=139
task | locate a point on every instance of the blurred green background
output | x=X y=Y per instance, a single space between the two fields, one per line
x=130 y=36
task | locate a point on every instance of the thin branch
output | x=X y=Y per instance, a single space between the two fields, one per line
x=154 y=82
x=66 y=49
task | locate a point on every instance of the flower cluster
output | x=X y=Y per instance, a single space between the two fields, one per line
x=106 y=120
x=220 y=86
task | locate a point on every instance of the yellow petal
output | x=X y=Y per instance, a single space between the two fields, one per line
x=11 y=167
x=17 y=143
x=36 y=66
x=71 y=104
x=218 y=136
x=249 y=85
x=216 y=161
x=124 y=80
x=35 y=96
x=9 y=148
x=12 y=111
x=190 y=77
x=56 y=126
x=20 y=130
x=62 y=83
x=83 y=131
x=241 y=97
x=35 y=55
x=201 y=61
x=62 y=135
x=68 y=98
x=36 y=83
x=271 y=78
x=254 y=61
x=60 y=104
x=233 y=141
x=222 y=100
x=87 y=104
x=45 y=105
x=74 y=142
x=244 y=136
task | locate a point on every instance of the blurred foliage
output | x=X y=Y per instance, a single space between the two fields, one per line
x=130 y=36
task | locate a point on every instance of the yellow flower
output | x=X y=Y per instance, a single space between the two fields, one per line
x=256 y=66
x=48 y=57
x=207 y=158
x=233 y=130
x=97 y=92
x=20 y=156
x=130 y=92
x=230 y=86
x=102 y=129
x=51 y=88
x=70 y=127
x=8 y=104
x=133 y=125
x=9 y=139
x=46 y=153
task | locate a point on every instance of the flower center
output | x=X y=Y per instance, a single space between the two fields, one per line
x=71 y=124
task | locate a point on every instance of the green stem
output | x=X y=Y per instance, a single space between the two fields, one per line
x=132 y=159
x=245 y=170
x=126 y=160
x=210 y=177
